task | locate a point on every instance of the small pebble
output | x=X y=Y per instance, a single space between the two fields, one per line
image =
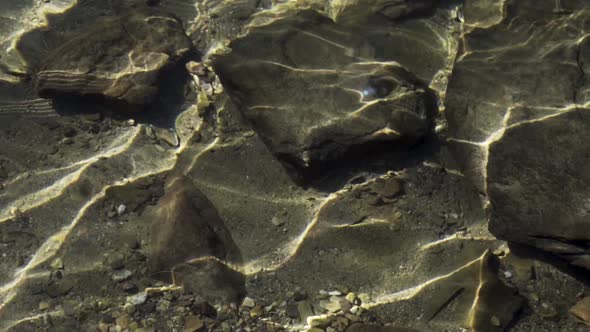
x=43 y=305
x=115 y=261
x=57 y=264
x=256 y=311
x=130 y=308
x=128 y=287
x=364 y=297
x=121 y=275
x=69 y=308
x=121 y=209
x=318 y=321
x=350 y=297
x=123 y=321
x=277 y=221
x=351 y=317
x=495 y=321
x=192 y=324
x=332 y=305
x=248 y=302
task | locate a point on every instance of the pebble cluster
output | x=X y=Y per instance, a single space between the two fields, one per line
x=173 y=309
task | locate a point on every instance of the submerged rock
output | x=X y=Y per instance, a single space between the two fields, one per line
x=355 y=11
x=184 y=226
x=582 y=310
x=518 y=115
x=496 y=304
x=118 y=58
x=315 y=90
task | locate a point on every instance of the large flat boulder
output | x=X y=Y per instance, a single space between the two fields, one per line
x=315 y=89
x=118 y=58
x=518 y=114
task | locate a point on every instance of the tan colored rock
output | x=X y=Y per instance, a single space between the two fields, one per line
x=117 y=57
x=123 y=321
x=57 y=264
x=315 y=329
x=184 y=226
x=193 y=324
x=582 y=310
x=43 y=305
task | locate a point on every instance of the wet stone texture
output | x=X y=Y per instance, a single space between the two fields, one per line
x=518 y=116
x=356 y=11
x=185 y=226
x=119 y=58
x=314 y=89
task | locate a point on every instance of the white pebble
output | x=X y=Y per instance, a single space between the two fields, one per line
x=335 y=293
x=121 y=275
x=277 y=221
x=507 y=274
x=354 y=309
x=137 y=299
x=121 y=209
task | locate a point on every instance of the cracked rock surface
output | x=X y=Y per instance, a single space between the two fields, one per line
x=517 y=110
x=117 y=57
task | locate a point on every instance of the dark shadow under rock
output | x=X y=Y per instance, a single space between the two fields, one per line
x=184 y=226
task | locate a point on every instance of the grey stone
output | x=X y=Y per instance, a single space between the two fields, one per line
x=60 y=287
